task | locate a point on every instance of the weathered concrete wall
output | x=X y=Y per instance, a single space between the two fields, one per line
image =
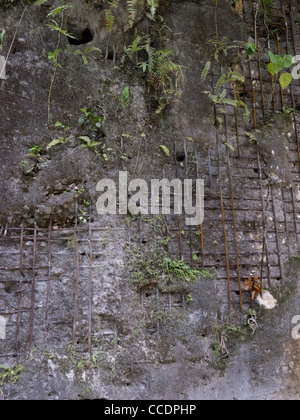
x=62 y=262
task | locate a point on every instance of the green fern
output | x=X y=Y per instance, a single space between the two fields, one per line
x=221 y=94
x=134 y=6
x=152 y=6
x=205 y=71
x=91 y=144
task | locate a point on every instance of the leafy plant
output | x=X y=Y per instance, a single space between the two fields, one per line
x=57 y=141
x=220 y=96
x=165 y=150
x=91 y=144
x=84 y=55
x=27 y=167
x=189 y=299
x=221 y=47
x=52 y=57
x=288 y=111
x=205 y=71
x=2 y=35
x=125 y=96
x=89 y=118
x=205 y=274
x=54 y=26
x=8 y=374
x=35 y=151
x=250 y=49
x=56 y=11
x=163 y=73
x=180 y=270
x=277 y=65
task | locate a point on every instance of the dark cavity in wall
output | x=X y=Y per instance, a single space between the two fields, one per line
x=82 y=37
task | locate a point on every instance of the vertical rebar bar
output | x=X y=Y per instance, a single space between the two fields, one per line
x=179 y=216
x=295 y=214
x=31 y=325
x=265 y=247
x=234 y=217
x=90 y=289
x=77 y=275
x=276 y=234
x=253 y=95
x=49 y=279
x=259 y=66
x=20 y=290
x=280 y=87
x=201 y=224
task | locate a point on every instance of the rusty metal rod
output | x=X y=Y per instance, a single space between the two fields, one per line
x=49 y=279
x=178 y=217
x=77 y=276
x=253 y=95
x=233 y=215
x=295 y=214
x=286 y=224
x=277 y=235
x=90 y=285
x=20 y=289
x=33 y=287
x=265 y=231
x=223 y=224
x=281 y=90
x=201 y=224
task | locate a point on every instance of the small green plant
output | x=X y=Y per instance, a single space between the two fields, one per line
x=35 y=151
x=57 y=141
x=84 y=55
x=52 y=57
x=165 y=150
x=288 y=111
x=250 y=49
x=58 y=124
x=189 y=299
x=49 y=354
x=2 y=35
x=28 y=168
x=219 y=97
x=277 y=65
x=8 y=374
x=180 y=270
x=163 y=73
x=296 y=257
x=90 y=119
x=221 y=47
x=125 y=96
x=205 y=274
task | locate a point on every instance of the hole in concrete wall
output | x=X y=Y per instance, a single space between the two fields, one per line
x=180 y=156
x=82 y=37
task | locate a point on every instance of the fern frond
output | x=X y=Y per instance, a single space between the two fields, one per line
x=205 y=71
x=133 y=7
x=152 y=6
x=114 y=3
x=221 y=81
x=109 y=20
x=132 y=11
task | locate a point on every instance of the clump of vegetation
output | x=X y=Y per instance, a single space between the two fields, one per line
x=2 y=35
x=8 y=374
x=159 y=269
x=220 y=97
x=163 y=73
x=32 y=161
